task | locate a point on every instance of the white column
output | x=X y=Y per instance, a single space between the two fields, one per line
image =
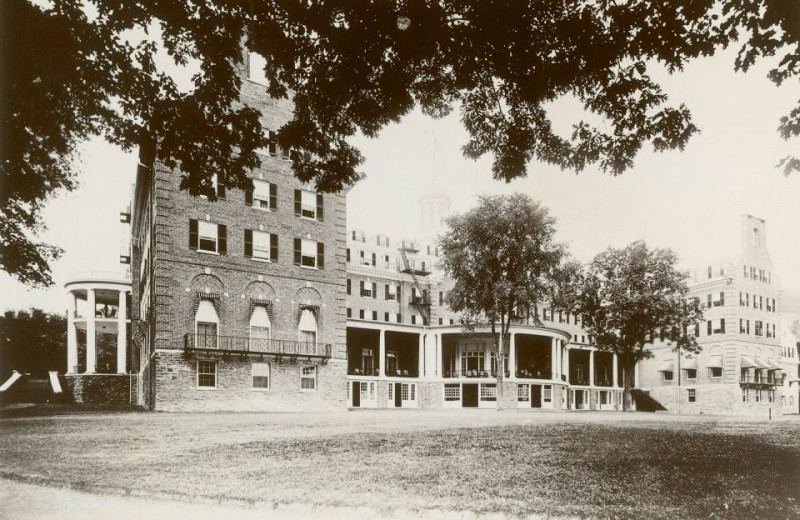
x=382 y=353
x=122 y=333
x=636 y=375
x=72 y=336
x=591 y=368
x=614 y=372
x=557 y=362
x=91 y=354
x=421 y=356
x=512 y=355
x=553 y=369
x=566 y=362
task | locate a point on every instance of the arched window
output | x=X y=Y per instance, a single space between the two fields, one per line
x=308 y=328
x=260 y=328
x=206 y=324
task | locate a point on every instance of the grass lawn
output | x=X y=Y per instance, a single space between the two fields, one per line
x=604 y=465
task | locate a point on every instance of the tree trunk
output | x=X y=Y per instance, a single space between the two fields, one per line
x=499 y=353
x=627 y=370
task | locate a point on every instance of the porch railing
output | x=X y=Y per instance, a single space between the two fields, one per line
x=472 y=373
x=759 y=380
x=362 y=371
x=255 y=345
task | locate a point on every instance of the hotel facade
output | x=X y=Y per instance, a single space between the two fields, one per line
x=266 y=301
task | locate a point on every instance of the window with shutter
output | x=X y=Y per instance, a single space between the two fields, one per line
x=208 y=235
x=261 y=245
x=261 y=196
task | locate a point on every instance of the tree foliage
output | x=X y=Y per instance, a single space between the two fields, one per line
x=32 y=341
x=629 y=298
x=72 y=71
x=503 y=260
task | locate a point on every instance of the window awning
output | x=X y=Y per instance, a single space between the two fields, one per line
x=666 y=366
x=747 y=362
x=714 y=362
x=206 y=312
x=307 y=321
x=773 y=365
x=759 y=363
x=260 y=317
x=689 y=363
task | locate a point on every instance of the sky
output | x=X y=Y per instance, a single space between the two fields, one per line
x=690 y=201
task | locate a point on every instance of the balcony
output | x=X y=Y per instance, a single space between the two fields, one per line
x=752 y=380
x=245 y=345
x=362 y=372
x=472 y=373
x=401 y=373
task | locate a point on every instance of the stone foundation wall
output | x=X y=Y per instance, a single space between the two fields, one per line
x=99 y=388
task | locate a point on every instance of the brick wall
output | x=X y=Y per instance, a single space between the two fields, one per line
x=176 y=380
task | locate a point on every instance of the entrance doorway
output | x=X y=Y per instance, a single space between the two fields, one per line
x=579 y=401
x=398 y=395
x=536 y=396
x=469 y=397
x=356 y=394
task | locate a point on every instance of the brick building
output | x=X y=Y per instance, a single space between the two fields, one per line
x=739 y=369
x=239 y=303
x=266 y=301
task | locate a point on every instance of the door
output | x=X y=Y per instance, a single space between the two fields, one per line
x=398 y=395
x=536 y=396
x=579 y=399
x=469 y=397
x=356 y=393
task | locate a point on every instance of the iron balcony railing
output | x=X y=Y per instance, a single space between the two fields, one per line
x=757 y=380
x=255 y=345
x=362 y=371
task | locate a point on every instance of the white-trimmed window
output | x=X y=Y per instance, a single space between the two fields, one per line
x=307 y=329
x=308 y=204
x=308 y=377
x=261 y=195
x=715 y=372
x=309 y=253
x=391 y=291
x=260 y=329
x=523 y=393
x=691 y=395
x=547 y=393
x=452 y=392
x=208 y=236
x=667 y=375
x=255 y=69
x=489 y=392
x=260 y=376
x=207 y=374
x=206 y=325
x=262 y=242
x=691 y=373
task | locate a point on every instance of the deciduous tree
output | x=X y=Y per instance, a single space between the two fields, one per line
x=504 y=260
x=76 y=68
x=629 y=298
x=32 y=341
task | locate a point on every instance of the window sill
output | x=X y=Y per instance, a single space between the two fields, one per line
x=309 y=267
x=262 y=260
x=208 y=252
x=207 y=388
x=313 y=219
x=268 y=210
